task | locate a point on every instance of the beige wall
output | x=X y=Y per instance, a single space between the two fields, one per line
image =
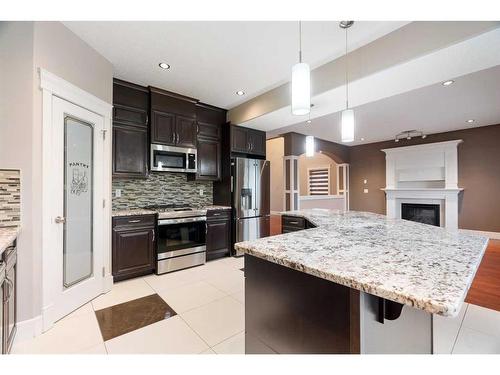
x=318 y=160
x=16 y=139
x=25 y=47
x=275 y=151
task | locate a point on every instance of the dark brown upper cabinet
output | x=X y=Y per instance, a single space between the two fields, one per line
x=248 y=141
x=163 y=128
x=257 y=140
x=210 y=120
x=186 y=131
x=173 y=118
x=130 y=129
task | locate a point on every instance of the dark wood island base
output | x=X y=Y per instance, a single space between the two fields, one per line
x=291 y=312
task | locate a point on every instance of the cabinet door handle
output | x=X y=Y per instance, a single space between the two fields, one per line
x=153 y=235
x=135 y=221
x=294 y=222
x=9 y=289
x=215 y=214
x=173 y=137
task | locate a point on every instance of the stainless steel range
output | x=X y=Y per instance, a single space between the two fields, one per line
x=181 y=237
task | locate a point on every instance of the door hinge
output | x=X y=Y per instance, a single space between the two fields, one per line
x=104 y=134
x=103 y=272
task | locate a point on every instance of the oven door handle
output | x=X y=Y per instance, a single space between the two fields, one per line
x=182 y=220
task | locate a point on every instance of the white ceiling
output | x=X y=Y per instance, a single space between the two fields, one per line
x=212 y=60
x=431 y=109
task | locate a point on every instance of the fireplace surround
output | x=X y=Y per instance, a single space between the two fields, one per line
x=424 y=174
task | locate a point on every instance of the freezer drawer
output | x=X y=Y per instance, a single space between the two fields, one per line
x=252 y=228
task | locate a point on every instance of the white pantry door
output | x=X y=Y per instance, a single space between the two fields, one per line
x=77 y=210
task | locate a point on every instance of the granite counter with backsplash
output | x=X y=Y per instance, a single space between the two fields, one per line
x=147 y=211
x=10 y=207
x=161 y=188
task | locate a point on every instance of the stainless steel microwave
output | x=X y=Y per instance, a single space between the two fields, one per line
x=173 y=159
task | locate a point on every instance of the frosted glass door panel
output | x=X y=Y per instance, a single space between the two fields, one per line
x=78 y=201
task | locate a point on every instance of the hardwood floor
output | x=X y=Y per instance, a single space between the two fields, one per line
x=485 y=289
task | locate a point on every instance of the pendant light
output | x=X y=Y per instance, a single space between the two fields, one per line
x=347 y=114
x=309 y=146
x=301 y=84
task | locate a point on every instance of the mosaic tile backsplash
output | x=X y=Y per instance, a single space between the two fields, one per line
x=10 y=198
x=161 y=188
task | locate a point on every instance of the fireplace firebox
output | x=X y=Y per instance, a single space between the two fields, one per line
x=421 y=213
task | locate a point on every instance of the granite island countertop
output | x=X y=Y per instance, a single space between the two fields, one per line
x=423 y=266
x=7 y=236
x=146 y=211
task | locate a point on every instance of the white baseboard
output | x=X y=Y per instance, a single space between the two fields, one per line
x=28 y=329
x=491 y=235
x=108 y=283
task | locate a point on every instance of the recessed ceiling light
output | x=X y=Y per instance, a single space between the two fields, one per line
x=447 y=83
x=240 y=92
x=308 y=121
x=471 y=121
x=164 y=65
x=362 y=139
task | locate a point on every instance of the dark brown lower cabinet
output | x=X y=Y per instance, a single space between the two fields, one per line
x=9 y=298
x=218 y=233
x=133 y=246
x=294 y=223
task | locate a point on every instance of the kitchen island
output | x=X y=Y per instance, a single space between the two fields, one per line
x=357 y=283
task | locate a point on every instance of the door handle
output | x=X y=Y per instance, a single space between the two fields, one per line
x=60 y=220
x=173 y=137
x=9 y=289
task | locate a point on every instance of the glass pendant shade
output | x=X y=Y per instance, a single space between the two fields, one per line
x=301 y=89
x=309 y=146
x=347 y=125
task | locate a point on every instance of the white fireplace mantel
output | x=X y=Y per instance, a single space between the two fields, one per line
x=424 y=174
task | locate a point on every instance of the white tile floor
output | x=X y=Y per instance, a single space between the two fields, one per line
x=209 y=301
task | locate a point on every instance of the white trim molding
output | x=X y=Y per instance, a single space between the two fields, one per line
x=28 y=329
x=490 y=235
x=54 y=86
x=67 y=91
x=293 y=182
x=426 y=174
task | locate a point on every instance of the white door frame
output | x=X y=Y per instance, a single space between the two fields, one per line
x=54 y=86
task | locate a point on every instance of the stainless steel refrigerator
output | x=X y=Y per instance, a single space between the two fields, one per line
x=251 y=189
